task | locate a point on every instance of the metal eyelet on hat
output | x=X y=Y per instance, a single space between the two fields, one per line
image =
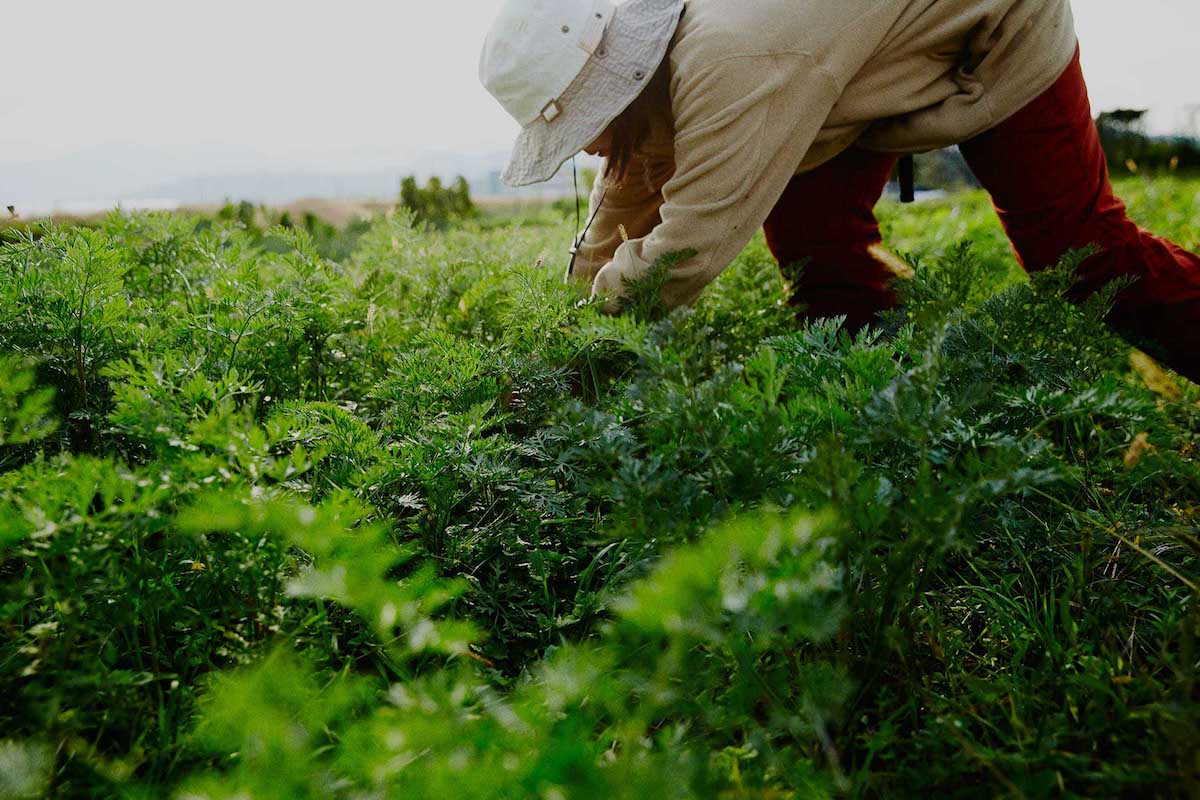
x=566 y=29
x=638 y=75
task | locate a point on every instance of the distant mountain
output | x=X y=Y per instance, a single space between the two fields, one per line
x=278 y=187
x=121 y=174
x=111 y=170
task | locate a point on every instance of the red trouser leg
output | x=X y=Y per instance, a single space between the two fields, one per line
x=826 y=217
x=1048 y=179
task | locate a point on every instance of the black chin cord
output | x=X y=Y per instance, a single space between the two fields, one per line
x=575 y=183
x=579 y=238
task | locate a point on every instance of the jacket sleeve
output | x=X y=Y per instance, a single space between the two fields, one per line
x=633 y=203
x=743 y=125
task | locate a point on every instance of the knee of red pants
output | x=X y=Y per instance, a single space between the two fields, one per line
x=857 y=280
x=1169 y=332
x=1158 y=308
x=858 y=309
x=824 y=234
x=1158 y=273
x=1043 y=236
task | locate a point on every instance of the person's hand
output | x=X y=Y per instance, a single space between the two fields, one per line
x=608 y=286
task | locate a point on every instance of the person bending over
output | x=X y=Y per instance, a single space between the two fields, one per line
x=717 y=117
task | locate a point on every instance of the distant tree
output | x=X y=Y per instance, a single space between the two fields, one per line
x=245 y=213
x=461 y=194
x=1129 y=148
x=1125 y=120
x=437 y=205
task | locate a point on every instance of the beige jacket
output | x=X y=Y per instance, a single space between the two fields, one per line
x=762 y=90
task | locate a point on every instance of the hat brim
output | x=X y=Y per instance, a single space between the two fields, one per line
x=633 y=48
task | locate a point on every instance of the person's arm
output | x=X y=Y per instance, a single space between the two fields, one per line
x=632 y=204
x=743 y=125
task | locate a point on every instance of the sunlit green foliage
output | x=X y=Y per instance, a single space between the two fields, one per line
x=415 y=521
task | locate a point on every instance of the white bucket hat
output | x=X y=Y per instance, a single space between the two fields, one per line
x=565 y=69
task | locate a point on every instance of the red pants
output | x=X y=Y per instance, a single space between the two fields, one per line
x=1048 y=179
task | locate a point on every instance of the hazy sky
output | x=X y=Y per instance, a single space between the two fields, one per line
x=353 y=82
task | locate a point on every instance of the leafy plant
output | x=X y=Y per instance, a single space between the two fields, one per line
x=287 y=513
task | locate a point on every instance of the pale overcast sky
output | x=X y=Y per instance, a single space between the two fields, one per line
x=356 y=82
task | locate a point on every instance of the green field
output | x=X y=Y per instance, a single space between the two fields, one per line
x=395 y=514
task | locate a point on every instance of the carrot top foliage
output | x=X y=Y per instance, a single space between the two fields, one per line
x=282 y=522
